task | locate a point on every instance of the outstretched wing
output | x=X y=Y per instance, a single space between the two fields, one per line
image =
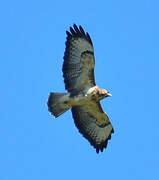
x=78 y=66
x=94 y=124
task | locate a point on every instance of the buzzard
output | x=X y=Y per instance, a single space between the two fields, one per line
x=83 y=95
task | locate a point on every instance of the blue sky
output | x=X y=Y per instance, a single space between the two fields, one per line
x=34 y=145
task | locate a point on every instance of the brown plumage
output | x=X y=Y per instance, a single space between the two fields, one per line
x=83 y=95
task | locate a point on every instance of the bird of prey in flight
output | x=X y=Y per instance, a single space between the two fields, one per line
x=83 y=95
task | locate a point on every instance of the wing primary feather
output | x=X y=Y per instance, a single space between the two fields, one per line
x=76 y=29
x=72 y=31
x=82 y=31
x=68 y=33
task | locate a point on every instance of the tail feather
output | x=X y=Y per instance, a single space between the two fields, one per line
x=58 y=103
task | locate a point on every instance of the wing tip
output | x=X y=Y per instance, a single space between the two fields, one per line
x=76 y=31
x=104 y=144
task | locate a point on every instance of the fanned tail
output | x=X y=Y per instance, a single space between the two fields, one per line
x=58 y=103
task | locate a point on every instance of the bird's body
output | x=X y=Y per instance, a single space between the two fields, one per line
x=83 y=95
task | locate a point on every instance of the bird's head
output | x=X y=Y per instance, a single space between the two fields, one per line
x=102 y=93
x=98 y=93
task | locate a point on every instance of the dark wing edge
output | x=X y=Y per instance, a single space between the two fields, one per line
x=97 y=135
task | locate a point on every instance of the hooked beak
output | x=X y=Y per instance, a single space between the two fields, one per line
x=108 y=94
